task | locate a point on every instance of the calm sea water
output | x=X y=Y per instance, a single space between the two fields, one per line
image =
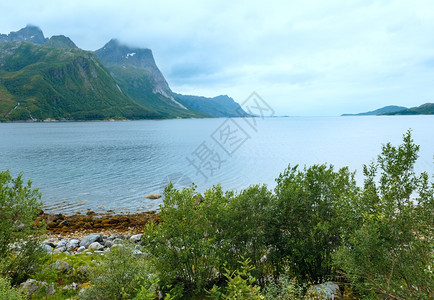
x=113 y=165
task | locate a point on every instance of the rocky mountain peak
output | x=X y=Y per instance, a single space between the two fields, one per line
x=117 y=54
x=29 y=33
x=60 y=41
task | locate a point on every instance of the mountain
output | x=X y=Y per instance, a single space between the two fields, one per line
x=28 y=34
x=220 y=106
x=136 y=73
x=424 y=109
x=61 y=42
x=43 y=81
x=380 y=111
x=51 y=78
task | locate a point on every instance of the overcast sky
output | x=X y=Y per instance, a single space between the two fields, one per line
x=303 y=57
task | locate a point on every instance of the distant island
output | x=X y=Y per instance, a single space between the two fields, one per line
x=424 y=109
x=52 y=79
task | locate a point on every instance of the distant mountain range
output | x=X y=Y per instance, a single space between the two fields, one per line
x=424 y=109
x=43 y=78
x=380 y=111
x=220 y=106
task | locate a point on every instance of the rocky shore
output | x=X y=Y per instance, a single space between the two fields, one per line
x=90 y=244
x=86 y=234
x=81 y=224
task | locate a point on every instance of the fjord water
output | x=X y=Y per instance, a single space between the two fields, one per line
x=113 y=165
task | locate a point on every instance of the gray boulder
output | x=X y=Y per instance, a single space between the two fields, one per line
x=30 y=286
x=47 y=248
x=59 y=250
x=91 y=238
x=108 y=244
x=62 y=266
x=62 y=243
x=136 y=238
x=137 y=253
x=72 y=244
x=95 y=246
x=81 y=249
x=111 y=237
x=117 y=241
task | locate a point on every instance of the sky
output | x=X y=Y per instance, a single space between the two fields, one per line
x=304 y=58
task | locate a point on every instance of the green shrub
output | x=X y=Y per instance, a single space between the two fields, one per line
x=20 y=251
x=244 y=227
x=9 y=293
x=198 y=234
x=184 y=245
x=388 y=245
x=240 y=284
x=284 y=288
x=304 y=229
x=119 y=275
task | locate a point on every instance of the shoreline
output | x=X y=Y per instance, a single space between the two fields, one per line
x=108 y=120
x=79 y=225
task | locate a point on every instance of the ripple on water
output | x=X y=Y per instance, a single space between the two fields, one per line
x=86 y=165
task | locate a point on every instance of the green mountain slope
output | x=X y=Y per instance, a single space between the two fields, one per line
x=383 y=110
x=43 y=82
x=424 y=109
x=43 y=78
x=136 y=73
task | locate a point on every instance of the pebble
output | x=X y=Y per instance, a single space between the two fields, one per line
x=72 y=286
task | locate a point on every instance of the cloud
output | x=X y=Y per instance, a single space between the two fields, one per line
x=306 y=57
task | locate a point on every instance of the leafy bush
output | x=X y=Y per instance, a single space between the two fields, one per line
x=20 y=251
x=184 y=244
x=299 y=227
x=284 y=288
x=305 y=225
x=240 y=284
x=9 y=293
x=244 y=228
x=198 y=234
x=388 y=245
x=120 y=275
